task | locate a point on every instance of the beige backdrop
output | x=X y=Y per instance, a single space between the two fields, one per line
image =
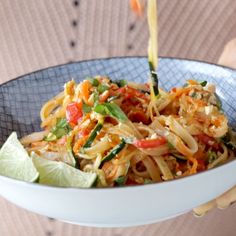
x=37 y=34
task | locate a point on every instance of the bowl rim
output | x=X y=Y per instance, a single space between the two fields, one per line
x=183 y=179
x=119 y=58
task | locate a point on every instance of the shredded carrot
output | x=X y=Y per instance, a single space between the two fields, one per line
x=180 y=91
x=194 y=161
x=192 y=82
x=198 y=102
x=79 y=143
x=136 y=7
x=38 y=143
x=84 y=90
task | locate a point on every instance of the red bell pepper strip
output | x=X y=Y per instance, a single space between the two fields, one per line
x=150 y=143
x=74 y=112
x=209 y=141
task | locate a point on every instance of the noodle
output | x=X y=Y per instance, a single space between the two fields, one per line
x=173 y=136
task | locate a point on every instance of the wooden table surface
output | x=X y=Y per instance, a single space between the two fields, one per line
x=38 y=34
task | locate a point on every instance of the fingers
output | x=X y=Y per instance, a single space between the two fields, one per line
x=204 y=208
x=221 y=202
x=228 y=56
x=226 y=199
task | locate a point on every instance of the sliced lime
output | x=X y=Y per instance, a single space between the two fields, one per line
x=58 y=173
x=15 y=161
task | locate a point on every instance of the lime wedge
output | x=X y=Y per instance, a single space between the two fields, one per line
x=58 y=173
x=15 y=161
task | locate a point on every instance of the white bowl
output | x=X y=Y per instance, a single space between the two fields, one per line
x=123 y=206
x=21 y=101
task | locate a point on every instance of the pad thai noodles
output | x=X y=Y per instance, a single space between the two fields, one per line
x=117 y=130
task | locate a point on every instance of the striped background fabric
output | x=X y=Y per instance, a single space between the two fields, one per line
x=38 y=34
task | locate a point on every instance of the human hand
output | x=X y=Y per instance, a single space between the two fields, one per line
x=221 y=202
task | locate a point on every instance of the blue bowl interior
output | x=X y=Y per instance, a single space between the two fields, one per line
x=21 y=99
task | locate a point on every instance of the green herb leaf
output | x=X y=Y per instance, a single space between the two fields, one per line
x=170 y=145
x=111 y=109
x=62 y=128
x=61 y=123
x=193 y=95
x=93 y=81
x=147 y=181
x=102 y=88
x=211 y=156
x=86 y=108
x=120 y=180
x=95 y=97
x=230 y=139
x=116 y=112
x=101 y=109
x=203 y=83
x=50 y=137
x=121 y=83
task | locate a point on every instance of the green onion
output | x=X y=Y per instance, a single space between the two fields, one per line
x=193 y=95
x=113 y=152
x=61 y=128
x=120 y=180
x=102 y=88
x=70 y=151
x=147 y=181
x=86 y=108
x=50 y=137
x=170 y=145
x=203 y=83
x=95 y=98
x=122 y=82
x=93 y=81
x=230 y=139
x=93 y=134
x=211 y=156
